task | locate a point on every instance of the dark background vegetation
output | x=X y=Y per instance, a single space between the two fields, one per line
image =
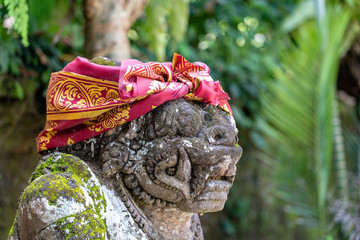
x=291 y=67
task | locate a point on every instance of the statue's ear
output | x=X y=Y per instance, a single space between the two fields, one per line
x=175 y=172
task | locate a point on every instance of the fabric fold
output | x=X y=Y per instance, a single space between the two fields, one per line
x=87 y=99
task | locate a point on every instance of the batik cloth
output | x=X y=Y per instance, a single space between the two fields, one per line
x=86 y=99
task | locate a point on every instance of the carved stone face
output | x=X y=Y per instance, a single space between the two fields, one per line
x=183 y=155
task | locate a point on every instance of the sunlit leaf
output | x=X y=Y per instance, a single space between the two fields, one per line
x=19 y=10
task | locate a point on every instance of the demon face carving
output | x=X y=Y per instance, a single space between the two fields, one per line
x=182 y=154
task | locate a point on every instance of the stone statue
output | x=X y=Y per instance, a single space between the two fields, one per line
x=146 y=179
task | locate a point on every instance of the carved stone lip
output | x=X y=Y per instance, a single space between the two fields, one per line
x=216 y=190
x=217 y=186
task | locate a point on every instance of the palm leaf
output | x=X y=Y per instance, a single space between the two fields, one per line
x=298 y=110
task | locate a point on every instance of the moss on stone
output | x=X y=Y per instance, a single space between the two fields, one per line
x=12 y=233
x=53 y=186
x=60 y=175
x=65 y=176
x=62 y=163
x=99 y=199
x=63 y=173
x=83 y=225
x=104 y=61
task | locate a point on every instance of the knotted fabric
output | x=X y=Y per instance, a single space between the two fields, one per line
x=87 y=99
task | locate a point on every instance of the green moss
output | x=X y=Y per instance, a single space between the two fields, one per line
x=82 y=225
x=13 y=227
x=60 y=164
x=53 y=186
x=103 y=61
x=58 y=176
x=98 y=198
x=63 y=175
x=74 y=171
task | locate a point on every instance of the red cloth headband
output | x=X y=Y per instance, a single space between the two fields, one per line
x=87 y=99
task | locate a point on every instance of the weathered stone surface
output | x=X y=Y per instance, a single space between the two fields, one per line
x=147 y=179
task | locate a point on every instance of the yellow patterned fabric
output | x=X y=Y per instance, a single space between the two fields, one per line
x=86 y=99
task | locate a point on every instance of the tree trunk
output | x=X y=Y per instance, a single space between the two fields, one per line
x=107 y=25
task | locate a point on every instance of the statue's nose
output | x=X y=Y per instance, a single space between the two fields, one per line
x=225 y=135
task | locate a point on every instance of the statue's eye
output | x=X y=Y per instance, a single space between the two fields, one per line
x=218 y=136
x=189 y=122
x=177 y=118
x=170 y=171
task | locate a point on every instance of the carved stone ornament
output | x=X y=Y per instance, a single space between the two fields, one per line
x=147 y=179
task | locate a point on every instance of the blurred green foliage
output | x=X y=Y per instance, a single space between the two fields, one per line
x=165 y=20
x=299 y=109
x=25 y=70
x=18 y=13
x=257 y=49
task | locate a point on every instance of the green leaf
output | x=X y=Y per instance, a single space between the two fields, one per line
x=19 y=10
x=303 y=12
x=18 y=91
